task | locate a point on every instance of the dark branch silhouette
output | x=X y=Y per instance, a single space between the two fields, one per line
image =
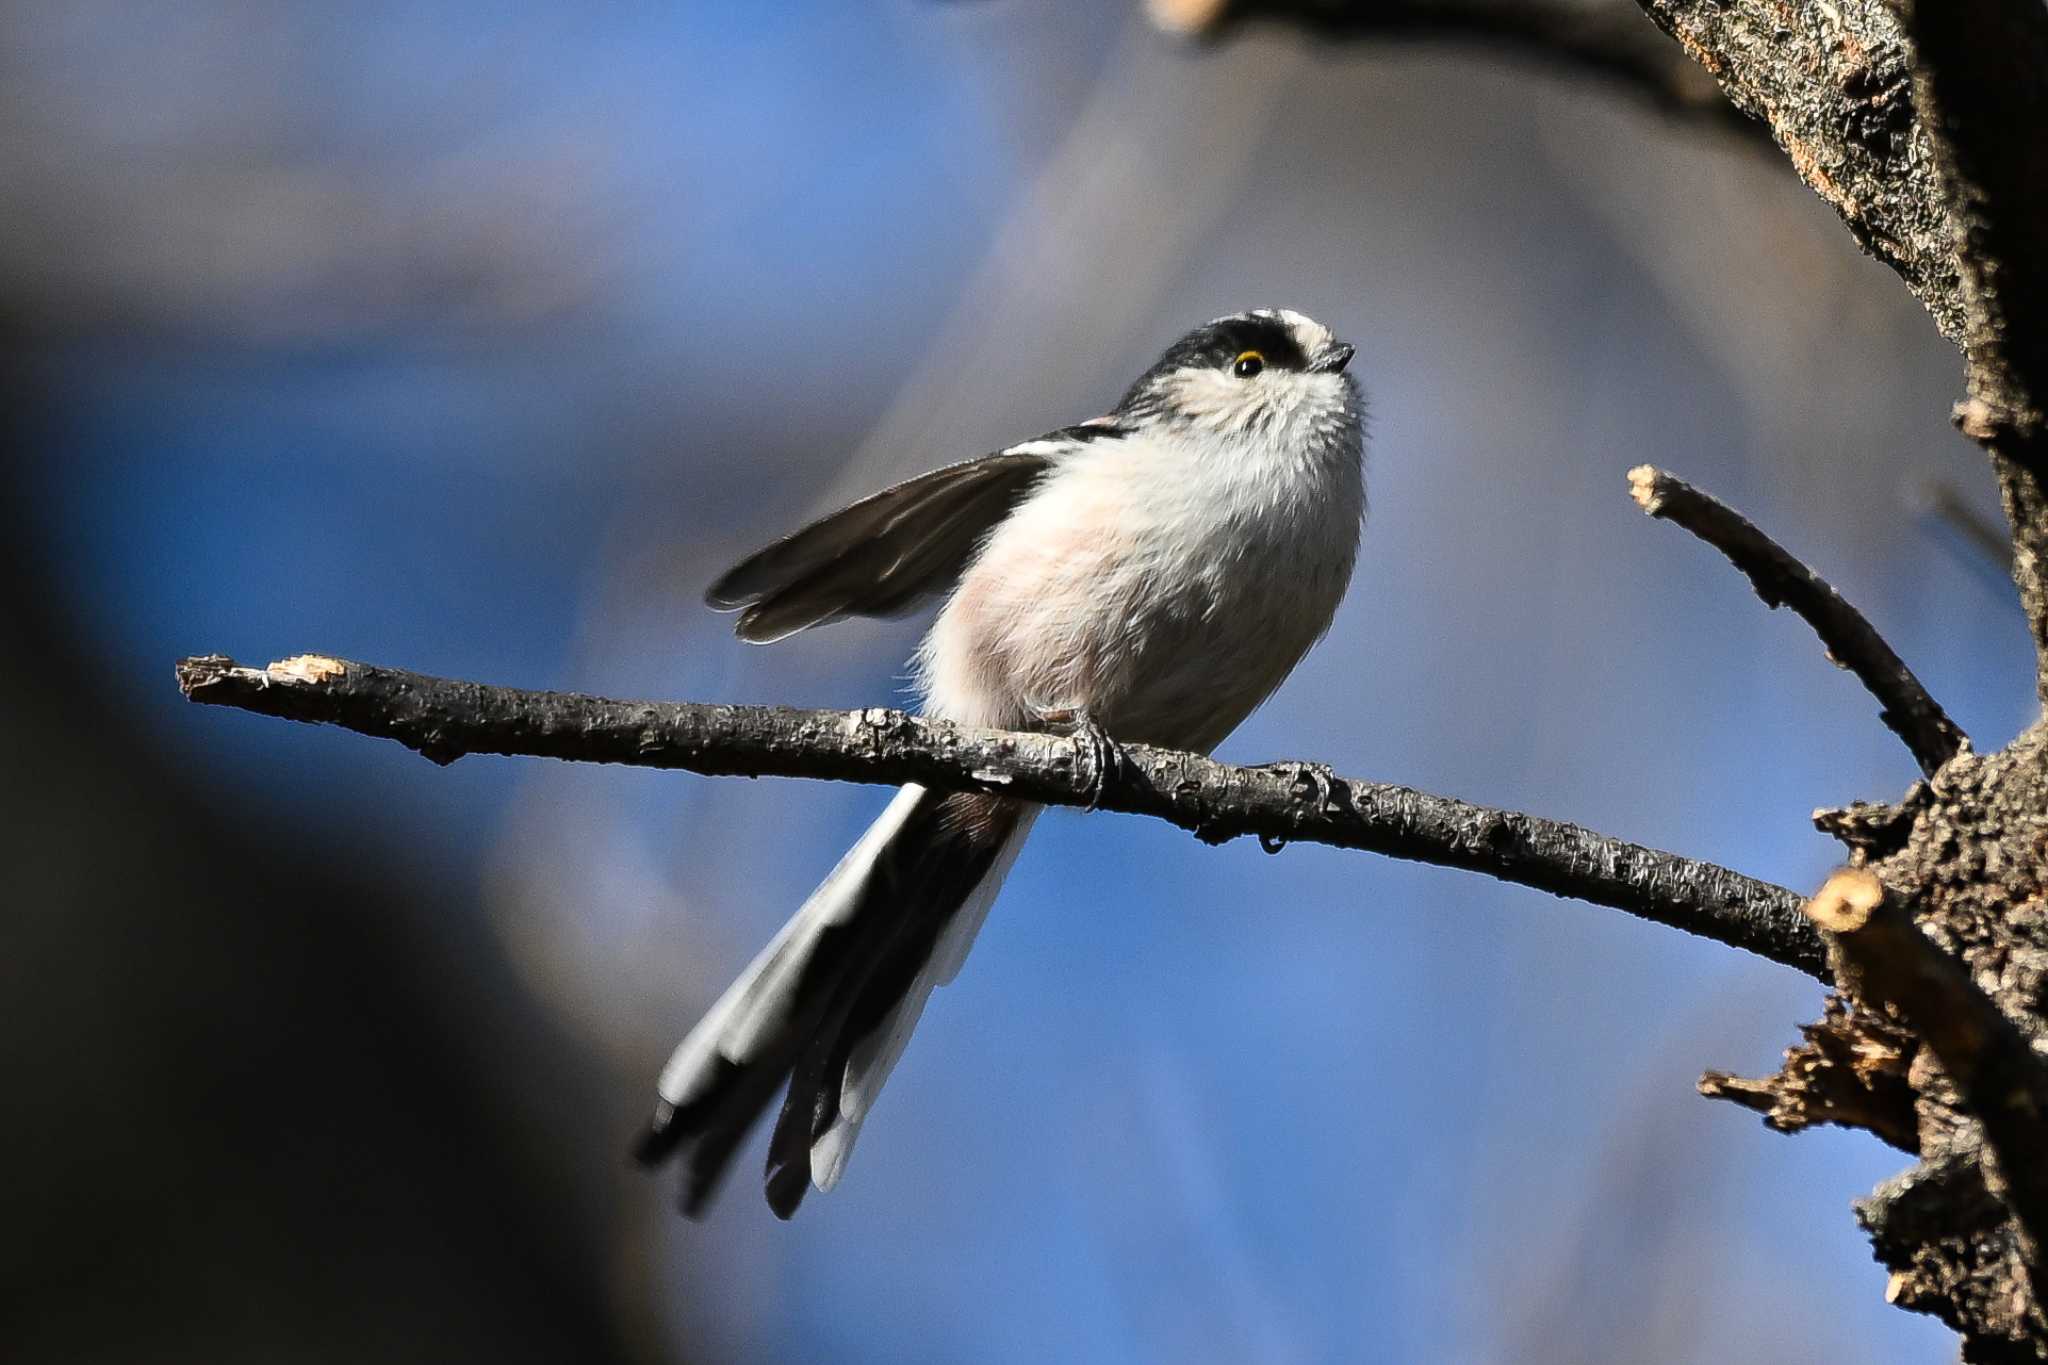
x=1982 y=539
x=1981 y=85
x=444 y=719
x=1782 y=581
x=1609 y=44
x=1830 y=84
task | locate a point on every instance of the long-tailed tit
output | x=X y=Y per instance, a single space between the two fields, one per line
x=1150 y=575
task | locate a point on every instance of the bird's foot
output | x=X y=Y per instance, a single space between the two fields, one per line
x=1105 y=756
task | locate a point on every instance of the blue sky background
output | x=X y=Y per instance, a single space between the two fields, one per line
x=475 y=339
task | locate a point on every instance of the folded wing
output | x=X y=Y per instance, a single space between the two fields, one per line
x=883 y=555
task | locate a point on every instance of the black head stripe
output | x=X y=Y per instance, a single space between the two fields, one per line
x=1216 y=346
x=1219 y=344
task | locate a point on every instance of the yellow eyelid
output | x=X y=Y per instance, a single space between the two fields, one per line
x=1243 y=356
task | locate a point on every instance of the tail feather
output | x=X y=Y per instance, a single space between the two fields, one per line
x=889 y=1010
x=812 y=1098
x=865 y=1000
x=875 y=1054
x=831 y=1000
x=723 y=1127
x=720 y=1059
x=775 y=984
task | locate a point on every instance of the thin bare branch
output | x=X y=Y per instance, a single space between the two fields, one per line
x=1782 y=581
x=1609 y=43
x=1884 y=959
x=1942 y=504
x=444 y=719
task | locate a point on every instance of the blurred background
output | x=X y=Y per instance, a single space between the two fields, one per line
x=476 y=338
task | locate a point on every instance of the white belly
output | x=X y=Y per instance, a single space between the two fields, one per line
x=1163 y=597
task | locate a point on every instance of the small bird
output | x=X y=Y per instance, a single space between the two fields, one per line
x=1145 y=577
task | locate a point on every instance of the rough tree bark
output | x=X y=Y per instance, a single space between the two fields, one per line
x=1924 y=124
x=1280 y=803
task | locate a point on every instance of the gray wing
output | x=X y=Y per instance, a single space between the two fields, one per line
x=883 y=555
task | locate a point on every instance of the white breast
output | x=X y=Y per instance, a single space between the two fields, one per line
x=1165 y=588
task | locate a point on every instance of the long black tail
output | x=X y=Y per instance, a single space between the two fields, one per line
x=830 y=1001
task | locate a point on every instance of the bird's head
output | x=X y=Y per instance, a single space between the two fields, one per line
x=1272 y=373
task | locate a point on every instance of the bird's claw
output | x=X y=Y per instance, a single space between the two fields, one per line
x=1105 y=756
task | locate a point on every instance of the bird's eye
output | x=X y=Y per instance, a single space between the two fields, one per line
x=1248 y=364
